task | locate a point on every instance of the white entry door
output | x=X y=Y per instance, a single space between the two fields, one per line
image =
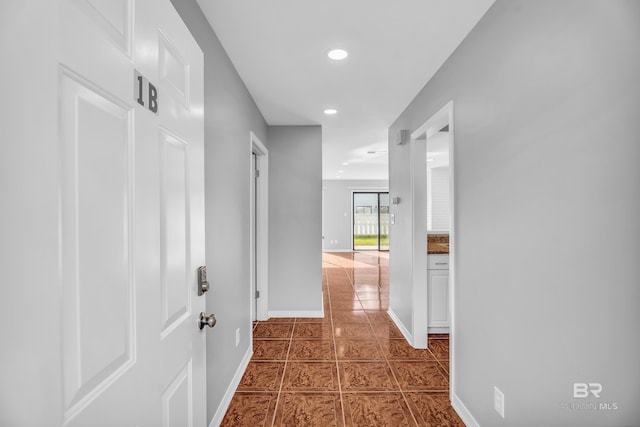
x=131 y=215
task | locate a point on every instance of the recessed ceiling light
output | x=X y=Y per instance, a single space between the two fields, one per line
x=337 y=54
x=345 y=164
x=330 y=111
x=340 y=171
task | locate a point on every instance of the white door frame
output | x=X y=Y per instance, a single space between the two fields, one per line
x=418 y=176
x=260 y=229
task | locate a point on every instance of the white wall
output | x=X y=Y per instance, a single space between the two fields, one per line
x=438 y=198
x=230 y=114
x=546 y=106
x=295 y=221
x=337 y=210
x=30 y=389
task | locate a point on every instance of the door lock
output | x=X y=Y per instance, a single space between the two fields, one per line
x=203 y=284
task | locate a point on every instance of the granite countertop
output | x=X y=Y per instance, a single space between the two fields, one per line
x=437 y=244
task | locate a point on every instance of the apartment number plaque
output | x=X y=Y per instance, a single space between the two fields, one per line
x=144 y=92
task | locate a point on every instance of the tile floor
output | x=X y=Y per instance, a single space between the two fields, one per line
x=351 y=368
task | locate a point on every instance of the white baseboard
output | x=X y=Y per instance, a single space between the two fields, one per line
x=228 y=395
x=285 y=313
x=407 y=335
x=463 y=412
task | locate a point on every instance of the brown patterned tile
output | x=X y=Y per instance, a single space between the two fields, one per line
x=324 y=319
x=419 y=376
x=433 y=410
x=400 y=349
x=342 y=292
x=366 y=288
x=366 y=376
x=304 y=349
x=371 y=295
x=250 y=409
x=386 y=330
x=352 y=304
x=270 y=349
x=312 y=330
x=273 y=330
x=439 y=348
x=438 y=336
x=376 y=409
x=445 y=366
x=382 y=304
x=349 y=316
x=309 y=410
x=357 y=349
x=353 y=330
x=280 y=320
x=310 y=376
x=376 y=316
x=262 y=376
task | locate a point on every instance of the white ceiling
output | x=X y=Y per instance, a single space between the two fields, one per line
x=279 y=49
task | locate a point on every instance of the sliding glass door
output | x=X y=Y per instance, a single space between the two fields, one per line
x=371 y=221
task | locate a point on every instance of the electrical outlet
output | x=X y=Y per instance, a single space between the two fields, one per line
x=498 y=401
x=237 y=336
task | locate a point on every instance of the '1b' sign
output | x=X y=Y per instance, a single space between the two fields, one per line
x=144 y=92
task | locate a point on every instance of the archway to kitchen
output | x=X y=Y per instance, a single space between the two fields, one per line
x=433 y=216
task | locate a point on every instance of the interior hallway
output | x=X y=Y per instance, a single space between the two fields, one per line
x=352 y=367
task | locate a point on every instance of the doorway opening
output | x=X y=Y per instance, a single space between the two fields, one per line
x=259 y=225
x=432 y=184
x=370 y=221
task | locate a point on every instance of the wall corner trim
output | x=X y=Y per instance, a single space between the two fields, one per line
x=228 y=395
x=396 y=320
x=463 y=412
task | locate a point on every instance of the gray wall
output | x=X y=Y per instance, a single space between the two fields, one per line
x=547 y=99
x=230 y=114
x=295 y=219
x=337 y=209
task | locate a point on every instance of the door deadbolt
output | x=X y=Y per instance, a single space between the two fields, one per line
x=205 y=320
x=203 y=284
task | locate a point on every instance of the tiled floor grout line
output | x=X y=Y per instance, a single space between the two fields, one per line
x=335 y=353
x=284 y=372
x=386 y=359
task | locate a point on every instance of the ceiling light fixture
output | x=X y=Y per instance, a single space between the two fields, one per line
x=330 y=111
x=345 y=164
x=338 y=54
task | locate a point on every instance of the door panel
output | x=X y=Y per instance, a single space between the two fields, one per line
x=177 y=400
x=174 y=238
x=98 y=328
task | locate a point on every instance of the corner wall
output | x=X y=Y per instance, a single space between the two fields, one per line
x=546 y=106
x=230 y=116
x=295 y=221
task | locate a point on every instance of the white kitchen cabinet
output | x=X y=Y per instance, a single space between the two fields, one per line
x=438 y=293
